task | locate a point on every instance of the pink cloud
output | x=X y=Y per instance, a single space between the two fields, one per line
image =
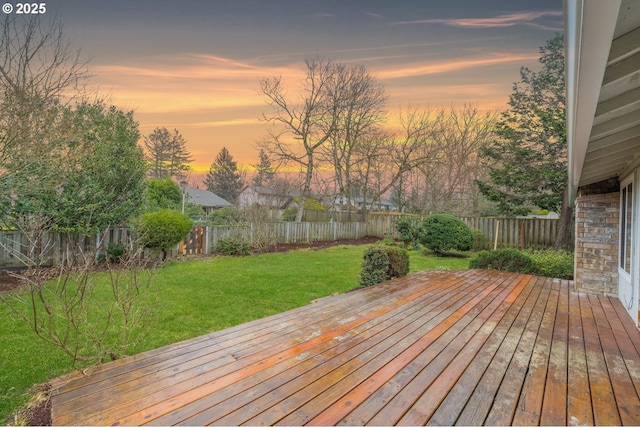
x=507 y=20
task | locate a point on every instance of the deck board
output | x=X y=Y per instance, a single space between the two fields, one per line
x=438 y=347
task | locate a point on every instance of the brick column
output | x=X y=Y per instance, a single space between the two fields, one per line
x=596 y=249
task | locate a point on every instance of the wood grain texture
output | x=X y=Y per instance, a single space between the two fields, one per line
x=465 y=347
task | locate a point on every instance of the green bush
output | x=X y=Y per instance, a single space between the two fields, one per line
x=163 y=229
x=443 y=232
x=387 y=241
x=504 y=260
x=550 y=263
x=235 y=245
x=383 y=262
x=225 y=216
x=409 y=229
x=480 y=241
x=115 y=252
x=398 y=261
x=289 y=214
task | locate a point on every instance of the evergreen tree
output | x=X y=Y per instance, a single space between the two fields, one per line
x=527 y=162
x=265 y=174
x=223 y=178
x=167 y=154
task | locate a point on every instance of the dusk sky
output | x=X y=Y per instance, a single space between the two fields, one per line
x=194 y=65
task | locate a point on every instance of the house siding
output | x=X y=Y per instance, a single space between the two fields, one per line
x=596 y=250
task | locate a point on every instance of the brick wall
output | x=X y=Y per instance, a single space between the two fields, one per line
x=596 y=250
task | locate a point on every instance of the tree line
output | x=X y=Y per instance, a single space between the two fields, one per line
x=78 y=160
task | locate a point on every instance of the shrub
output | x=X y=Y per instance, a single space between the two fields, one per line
x=504 y=260
x=233 y=245
x=550 y=263
x=398 y=261
x=383 y=262
x=289 y=214
x=480 y=241
x=225 y=216
x=443 y=232
x=388 y=241
x=163 y=229
x=115 y=252
x=409 y=229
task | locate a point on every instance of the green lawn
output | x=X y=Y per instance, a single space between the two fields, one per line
x=196 y=297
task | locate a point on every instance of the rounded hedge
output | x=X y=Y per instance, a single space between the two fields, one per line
x=382 y=263
x=443 y=232
x=163 y=229
x=548 y=263
x=511 y=260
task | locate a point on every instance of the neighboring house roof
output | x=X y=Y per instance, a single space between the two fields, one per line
x=205 y=198
x=602 y=40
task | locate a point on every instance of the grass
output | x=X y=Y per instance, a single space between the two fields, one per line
x=195 y=297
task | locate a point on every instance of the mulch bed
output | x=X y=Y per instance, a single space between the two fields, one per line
x=323 y=244
x=7 y=281
x=38 y=412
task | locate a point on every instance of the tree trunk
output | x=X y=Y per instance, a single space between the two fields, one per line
x=306 y=190
x=565 y=237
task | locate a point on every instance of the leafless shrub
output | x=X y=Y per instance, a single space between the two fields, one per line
x=94 y=313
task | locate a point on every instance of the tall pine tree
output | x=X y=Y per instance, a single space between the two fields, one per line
x=167 y=154
x=265 y=174
x=223 y=178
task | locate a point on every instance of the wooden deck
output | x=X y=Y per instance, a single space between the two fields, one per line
x=439 y=347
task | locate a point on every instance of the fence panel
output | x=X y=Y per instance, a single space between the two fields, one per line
x=519 y=233
x=333 y=216
x=523 y=233
x=533 y=234
x=288 y=232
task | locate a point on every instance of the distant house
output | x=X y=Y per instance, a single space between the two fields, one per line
x=267 y=197
x=602 y=40
x=358 y=203
x=209 y=201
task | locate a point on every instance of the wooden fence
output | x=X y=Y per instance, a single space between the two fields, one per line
x=519 y=233
x=288 y=232
x=383 y=225
x=511 y=233
x=16 y=248
x=332 y=216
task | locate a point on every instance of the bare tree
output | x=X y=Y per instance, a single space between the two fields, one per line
x=60 y=303
x=385 y=159
x=305 y=126
x=40 y=73
x=450 y=176
x=360 y=100
x=39 y=69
